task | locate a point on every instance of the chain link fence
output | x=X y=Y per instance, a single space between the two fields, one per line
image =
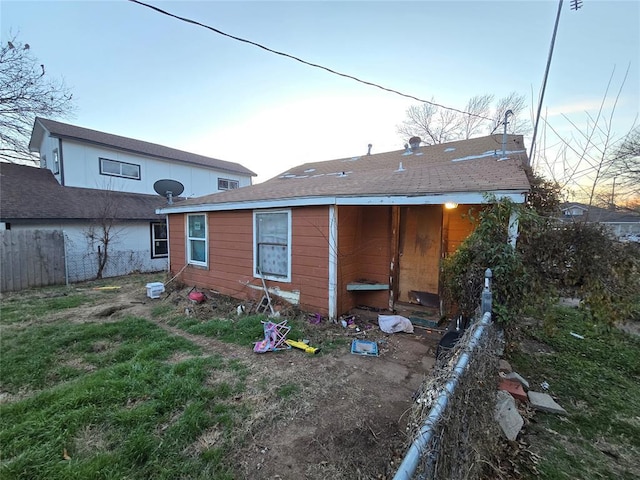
x=81 y=267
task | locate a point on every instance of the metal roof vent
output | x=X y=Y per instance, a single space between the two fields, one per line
x=369 y=149
x=407 y=150
x=415 y=143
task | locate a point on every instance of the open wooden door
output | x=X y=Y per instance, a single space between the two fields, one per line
x=419 y=251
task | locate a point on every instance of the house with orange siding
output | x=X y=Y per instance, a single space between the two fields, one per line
x=328 y=236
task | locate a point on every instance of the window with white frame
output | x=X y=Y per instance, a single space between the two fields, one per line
x=197 y=239
x=226 y=184
x=159 y=240
x=56 y=162
x=272 y=245
x=115 y=168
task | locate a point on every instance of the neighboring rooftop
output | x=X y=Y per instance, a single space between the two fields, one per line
x=30 y=193
x=579 y=212
x=475 y=165
x=64 y=130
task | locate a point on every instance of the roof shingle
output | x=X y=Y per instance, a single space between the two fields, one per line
x=474 y=165
x=30 y=193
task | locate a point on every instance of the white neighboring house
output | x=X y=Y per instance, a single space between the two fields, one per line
x=89 y=180
x=80 y=157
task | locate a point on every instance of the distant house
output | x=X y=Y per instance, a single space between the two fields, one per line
x=623 y=224
x=80 y=157
x=87 y=177
x=32 y=199
x=368 y=230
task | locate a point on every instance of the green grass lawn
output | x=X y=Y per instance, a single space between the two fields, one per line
x=597 y=380
x=109 y=400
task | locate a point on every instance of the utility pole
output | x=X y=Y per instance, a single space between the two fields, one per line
x=575 y=5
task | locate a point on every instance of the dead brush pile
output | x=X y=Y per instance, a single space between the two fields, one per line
x=466 y=437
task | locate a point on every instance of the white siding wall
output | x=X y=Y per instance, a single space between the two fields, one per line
x=49 y=144
x=82 y=169
x=129 y=251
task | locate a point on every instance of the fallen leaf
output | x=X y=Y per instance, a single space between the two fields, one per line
x=65 y=455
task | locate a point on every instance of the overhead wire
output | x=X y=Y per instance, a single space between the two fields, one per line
x=305 y=62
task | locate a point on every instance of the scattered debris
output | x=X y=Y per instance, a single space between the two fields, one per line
x=514 y=388
x=518 y=378
x=155 y=289
x=364 y=347
x=545 y=385
x=303 y=346
x=196 y=297
x=576 y=335
x=275 y=337
x=106 y=288
x=507 y=415
x=394 y=324
x=544 y=402
x=504 y=366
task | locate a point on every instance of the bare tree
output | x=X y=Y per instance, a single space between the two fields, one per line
x=479 y=106
x=25 y=92
x=624 y=165
x=516 y=123
x=102 y=233
x=431 y=123
x=592 y=155
x=434 y=124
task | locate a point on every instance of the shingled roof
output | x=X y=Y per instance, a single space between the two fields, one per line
x=64 y=130
x=599 y=215
x=29 y=193
x=467 y=166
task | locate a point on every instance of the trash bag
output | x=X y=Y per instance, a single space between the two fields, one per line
x=394 y=324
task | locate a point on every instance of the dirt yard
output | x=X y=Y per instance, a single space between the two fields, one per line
x=346 y=418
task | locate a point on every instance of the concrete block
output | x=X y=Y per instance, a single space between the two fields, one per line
x=514 y=388
x=544 y=403
x=504 y=366
x=507 y=415
x=518 y=378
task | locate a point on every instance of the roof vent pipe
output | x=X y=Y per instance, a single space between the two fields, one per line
x=504 y=135
x=369 y=149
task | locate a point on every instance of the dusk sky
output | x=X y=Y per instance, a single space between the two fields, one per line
x=137 y=73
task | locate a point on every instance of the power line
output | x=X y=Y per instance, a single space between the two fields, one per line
x=297 y=59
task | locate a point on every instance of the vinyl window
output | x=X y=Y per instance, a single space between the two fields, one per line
x=56 y=162
x=197 y=239
x=115 y=168
x=226 y=184
x=272 y=245
x=159 y=240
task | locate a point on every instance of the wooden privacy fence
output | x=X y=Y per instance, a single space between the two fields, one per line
x=31 y=258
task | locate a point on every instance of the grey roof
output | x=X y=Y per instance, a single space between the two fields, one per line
x=474 y=165
x=600 y=215
x=64 y=130
x=31 y=193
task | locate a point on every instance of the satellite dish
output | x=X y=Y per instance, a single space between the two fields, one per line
x=168 y=188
